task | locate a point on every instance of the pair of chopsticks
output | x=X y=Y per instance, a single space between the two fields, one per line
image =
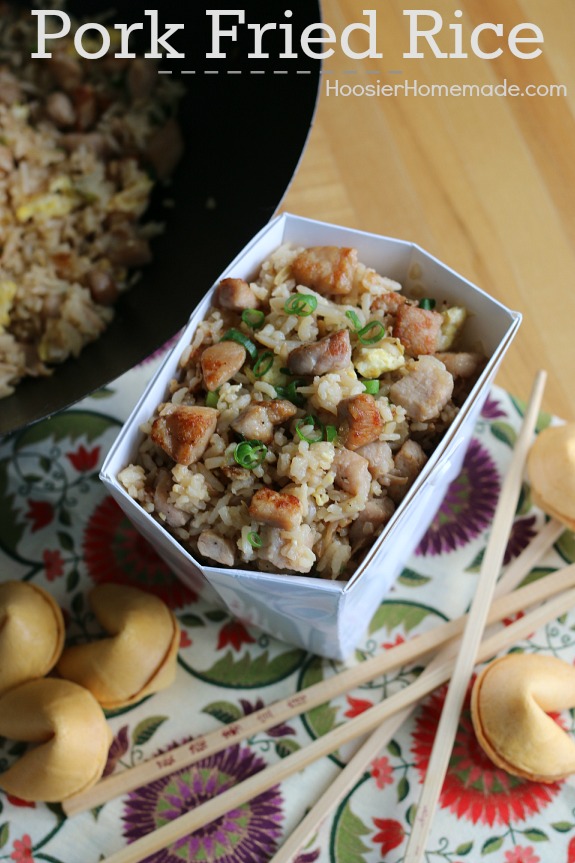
x=396 y=706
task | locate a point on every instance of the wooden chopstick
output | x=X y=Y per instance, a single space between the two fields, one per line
x=490 y=568
x=356 y=727
x=357 y=765
x=293 y=705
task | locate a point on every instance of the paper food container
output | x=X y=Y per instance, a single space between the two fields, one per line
x=328 y=618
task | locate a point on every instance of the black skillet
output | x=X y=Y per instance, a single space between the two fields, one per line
x=244 y=135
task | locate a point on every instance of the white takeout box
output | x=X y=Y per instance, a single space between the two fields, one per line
x=327 y=617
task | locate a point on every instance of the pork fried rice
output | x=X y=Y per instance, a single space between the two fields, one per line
x=304 y=409
x=82 y=144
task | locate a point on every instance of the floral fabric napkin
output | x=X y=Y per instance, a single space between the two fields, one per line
x=60 y=529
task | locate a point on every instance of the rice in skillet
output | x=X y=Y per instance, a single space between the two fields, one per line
x=307 y=404
x=78 y=141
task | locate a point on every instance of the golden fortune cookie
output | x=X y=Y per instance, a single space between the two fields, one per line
x=551 y=472
x=510 y=701
x=71 y=737
x=139 y=655
x=31 y=633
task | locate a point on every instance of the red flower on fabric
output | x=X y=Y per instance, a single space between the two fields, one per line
x=382 y=772
x=185 y=640
x=40 y=513
x=357 y=706
x=17 y=801
x=115 y=551
x=399 y=639
x=507 y=621
x=22 y=849
x=571 y=851
x=390 y=834
x=522 y=855
x=84 y=459
x=53 y=563
x=233 y=632
x=474 y=788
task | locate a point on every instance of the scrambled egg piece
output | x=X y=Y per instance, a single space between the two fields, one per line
x=8 y=290
x=134 y=199
x=59 y=200
x=386 y=357
x=453 y=320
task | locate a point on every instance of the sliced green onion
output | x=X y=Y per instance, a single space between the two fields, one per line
x=301 y=305
x=371 y=387
x=235 y=336
x=310 y=421
x=290 y=393
x=375 y=327
x=330 y=433
x=253 y=318
x=354 y=319
x=250 y=453
x=212 y=399
x=263 y=364
x=255 y=539
x=427 y=303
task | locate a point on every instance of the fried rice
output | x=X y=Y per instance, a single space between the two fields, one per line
x=83 y=143
x=305 y=407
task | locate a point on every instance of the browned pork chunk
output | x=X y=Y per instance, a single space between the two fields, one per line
x=60 y=109
x=379 y=457
x=278 y=509
x=98 y=143
x=126 y=247
x=370 y=521
x=235 y=295
x=102 y=287
x=165 y=148
x=409 y=461
x=425 y=389
x=168 y=513
x=141 y=79
x=351 y=472
x=216 y=547
x=326 y=269
x=330 y=354
x=66 y=69
x=220 y=362
x=257 y=421
x=461 y=364
x=184 y=432
x=417 y=329
x=390 y=302
x=359 y=421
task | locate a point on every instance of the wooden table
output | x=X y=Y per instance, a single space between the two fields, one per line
x=486 y=183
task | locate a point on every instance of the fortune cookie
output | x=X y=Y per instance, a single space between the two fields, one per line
x=509 y=705
x=139 y=656
x=31 y=633
x=71 y=735
x=551 y=471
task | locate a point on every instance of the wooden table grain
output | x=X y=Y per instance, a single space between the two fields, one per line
x=484 y=182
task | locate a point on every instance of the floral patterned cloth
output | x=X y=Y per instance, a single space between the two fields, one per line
x=59 y=529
